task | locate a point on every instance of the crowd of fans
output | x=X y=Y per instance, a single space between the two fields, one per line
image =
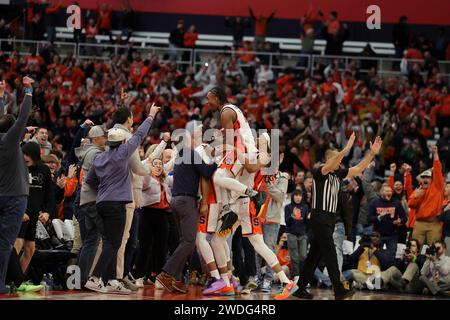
x=403 y=198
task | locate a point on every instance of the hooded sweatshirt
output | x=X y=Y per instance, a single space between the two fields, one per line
x=293 y=226
x=41 y=196
x=86 y=154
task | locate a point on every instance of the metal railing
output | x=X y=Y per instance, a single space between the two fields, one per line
x=197 y=57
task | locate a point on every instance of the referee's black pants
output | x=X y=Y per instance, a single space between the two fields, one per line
x=322 y=249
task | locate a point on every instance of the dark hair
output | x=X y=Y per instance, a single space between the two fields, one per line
x=220 y=94
x=334 y=14
x=6 y=122
x=57 y=153
x=408 y=244
x=442 y=243
x=121 y=115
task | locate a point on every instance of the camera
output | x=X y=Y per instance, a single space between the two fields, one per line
x=431 y=251
x=366 y=241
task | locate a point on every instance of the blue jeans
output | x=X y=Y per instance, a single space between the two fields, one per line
x=91 y=241
x=298 y=250
x=132 y=244
x=319 y=275
x=270 y=235
x=338 y=238
x=360 y=229
x=11 y=214
x=391 y=246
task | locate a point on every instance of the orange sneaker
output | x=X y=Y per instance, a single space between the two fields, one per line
x=288 y=290
x=226 y=291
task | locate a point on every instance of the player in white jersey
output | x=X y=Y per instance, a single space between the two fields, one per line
x=237 y=137
x=251 y=228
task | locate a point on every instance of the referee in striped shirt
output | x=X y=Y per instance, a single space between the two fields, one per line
x=323 y=216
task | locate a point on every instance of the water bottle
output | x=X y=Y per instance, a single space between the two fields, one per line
x=12 y=288
x=50 y=282
x=44 y=283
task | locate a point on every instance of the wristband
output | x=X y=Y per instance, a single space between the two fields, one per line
x=28 y=90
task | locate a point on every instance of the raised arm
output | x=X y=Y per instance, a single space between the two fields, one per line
x=271 y=16
x=252 y=14
x=14 y=134
x=438 y=178
x=334 y=160
x=130 y=147
x=360 y=167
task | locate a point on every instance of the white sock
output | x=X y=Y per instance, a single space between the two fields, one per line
x=282 y=276
x=215 y=274
x=225 y=278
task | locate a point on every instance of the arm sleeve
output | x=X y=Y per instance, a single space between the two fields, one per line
x=49 y=196
x=71 y=186
x=12 y=137
x=391 y=182
x=130 y=147
x=443 y=266
x=425 y=271
x=158 y=150
x=81 y=133
x=384 y=259
x=371 y=214
x=402 y=213
x=278 y=191
x=354 y=257
x=288 y=216
x=91 y=178
x=169 y=165
x=414 y=202
x=438 y=178
x=137 y=166
x=408 y=185
x=2 y=107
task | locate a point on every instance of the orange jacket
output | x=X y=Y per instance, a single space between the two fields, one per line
x=429 y=204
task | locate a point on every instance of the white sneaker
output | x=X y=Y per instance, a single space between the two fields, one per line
x=296 y=279
x=129 y=284
x=369 y=282
x=116 y=287
x=251 y=284
x=139 y=282
x=159 y=286
x=95 y=284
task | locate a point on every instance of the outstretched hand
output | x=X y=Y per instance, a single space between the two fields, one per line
x=154 y=109
x=27 y=82
x=350 y=142
x=376 y=145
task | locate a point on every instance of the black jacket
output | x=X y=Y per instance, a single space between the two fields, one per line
x=177 y=37
x=345 y=210
x=381 y=254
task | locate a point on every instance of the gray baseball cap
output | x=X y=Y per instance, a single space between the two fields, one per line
x=96 y=131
